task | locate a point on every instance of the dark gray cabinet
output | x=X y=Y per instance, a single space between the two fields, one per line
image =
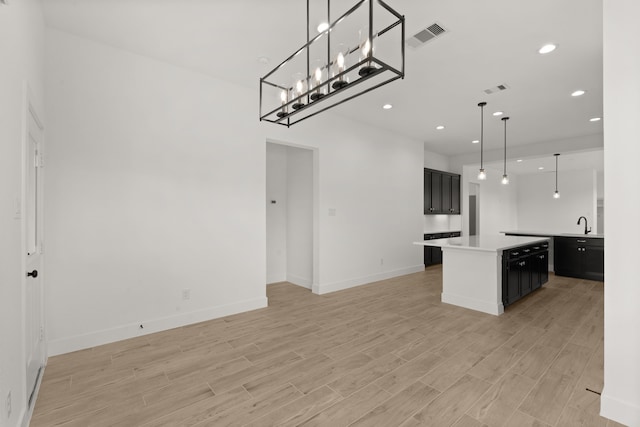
x=455 y=194
x=441 y=192
x=580 y=257
x=524 y=269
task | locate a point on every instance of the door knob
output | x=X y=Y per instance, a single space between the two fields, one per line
x=33 y=274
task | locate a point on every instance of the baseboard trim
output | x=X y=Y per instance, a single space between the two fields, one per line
x=620 y=411
x=119 y=333
x=473 y=304
x=325 y=288
x=300 y=281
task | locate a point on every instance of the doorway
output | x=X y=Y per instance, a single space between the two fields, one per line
x=32 y=223
x=290 y=206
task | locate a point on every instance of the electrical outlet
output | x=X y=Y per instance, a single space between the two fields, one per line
x=8 y=405
x=186 y=294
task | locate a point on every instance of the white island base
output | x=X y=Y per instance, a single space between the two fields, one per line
x=472 y=269
x=472 y=279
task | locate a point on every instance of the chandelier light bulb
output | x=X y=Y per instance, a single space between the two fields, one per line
x=482 y=176
x=298 y=87
x=366 y=48
x=283 y=102
x=340 y=61
x=319 y=92
x=505 y=179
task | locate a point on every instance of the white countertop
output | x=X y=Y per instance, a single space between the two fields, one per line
x=488 y=243
x=547 y=234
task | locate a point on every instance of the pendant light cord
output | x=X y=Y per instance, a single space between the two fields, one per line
x=505 y=145
x=481 y=105
x=481 y=135
x=556 y=173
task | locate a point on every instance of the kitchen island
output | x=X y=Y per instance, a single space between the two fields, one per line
x=477 y=270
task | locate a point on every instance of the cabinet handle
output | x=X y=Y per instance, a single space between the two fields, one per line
x=582 y=241
x=515 y=253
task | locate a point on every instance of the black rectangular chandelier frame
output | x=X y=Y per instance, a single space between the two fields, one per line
x=295 y=115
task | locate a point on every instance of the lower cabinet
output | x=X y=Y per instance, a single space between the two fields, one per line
x=524 y=269
x=582 y=258
x=433 y=254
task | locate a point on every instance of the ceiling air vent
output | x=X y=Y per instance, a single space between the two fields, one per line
x=429 y=33
x=495 y=89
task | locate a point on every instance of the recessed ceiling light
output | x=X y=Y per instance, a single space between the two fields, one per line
x=387 y=106
x=595 y=119
x=322 y=27
x=578 y=93
x=440 y=127
x=541 y=168
x=519 y=160
x=498 y=113
x=475 y=141
x=547 y=48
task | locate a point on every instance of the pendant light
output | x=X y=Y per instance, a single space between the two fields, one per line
x=482 y=175
x=556 y=195
x=505 y=178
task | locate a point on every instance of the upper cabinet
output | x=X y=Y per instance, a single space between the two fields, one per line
x=441 y=192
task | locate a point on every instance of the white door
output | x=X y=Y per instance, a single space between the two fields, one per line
x=32 y=234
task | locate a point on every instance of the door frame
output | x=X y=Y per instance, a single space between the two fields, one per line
x=316 y=203
x=30 y=109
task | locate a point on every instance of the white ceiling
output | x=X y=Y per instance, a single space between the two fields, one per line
x=490 y=42
x=566 y=162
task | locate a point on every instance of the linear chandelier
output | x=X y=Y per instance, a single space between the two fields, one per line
x=347 y=59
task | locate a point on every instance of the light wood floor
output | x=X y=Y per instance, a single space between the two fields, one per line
x=385 y=354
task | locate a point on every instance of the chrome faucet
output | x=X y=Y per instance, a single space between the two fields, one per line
x=585 y=225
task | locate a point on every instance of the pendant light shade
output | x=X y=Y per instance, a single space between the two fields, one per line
x=505 y=178
x=482 y=175
x=556 y=195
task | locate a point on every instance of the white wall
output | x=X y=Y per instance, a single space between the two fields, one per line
x=21 y=50
x=621 y=395
x=600 y=184
x=153 y=189
x=498 y=202
x=157 y=186
x=300 y=216
x=436 y=161
x=276 y=213
x=537 y=210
